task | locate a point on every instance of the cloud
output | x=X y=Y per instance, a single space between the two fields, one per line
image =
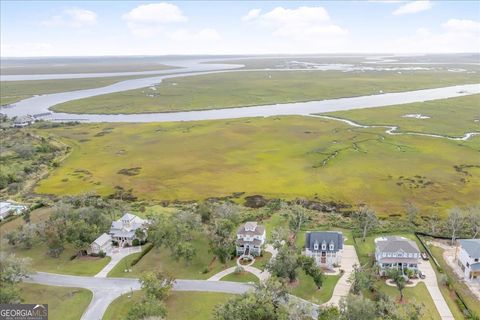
x=149 y=19
x=252 y=14
x=413 y=7
x=302 y=22
x=463 y=26
x=457 y=36
x=74 y=17
x=189 y=35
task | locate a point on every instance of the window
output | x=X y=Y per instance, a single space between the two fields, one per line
x=324 y=246
x=331 y=246
x=389 y=254
x=315 y=246
x=410 y=255
x=394 y=254
x=384 y=254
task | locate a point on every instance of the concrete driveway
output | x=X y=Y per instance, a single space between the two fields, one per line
x=117 y=254
x=349 y=259
x=432 y=287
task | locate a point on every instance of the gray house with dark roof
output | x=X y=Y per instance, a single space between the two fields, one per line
x=468 y=258
x=250 y=239
x=124 y=230
x=394 y=252
x=325 y=247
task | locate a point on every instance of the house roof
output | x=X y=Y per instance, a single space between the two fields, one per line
x=396 y=244
x=471 y=246
x=397 y=259
x=120 y=229
x=335 y=237
x=259 y=229
x=103 y=239
x=475 y=266
x=255 y=242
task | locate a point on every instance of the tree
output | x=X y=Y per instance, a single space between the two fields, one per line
x=412 y=213
x=54 y=235
x=204 y=211
x=297 y=216
x=285 y=264
x=387 y=308
x=398 y=278
x=356 y=307
x=328 y=313
x=266 y=302
x=12 y=271
x=473 y=219
x=433 y=222
x=366 y=219
x=280 y=237
x=311 y=269
x=221 y=239
x=361 y=279
x=147 y=309
x=454 y=223
x=156 y=285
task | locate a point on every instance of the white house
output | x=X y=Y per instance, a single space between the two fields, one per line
x=250 y=239
x=396 y=252
x=325 y=247
x=101 y=244
x=23 y=121
x=468 y=258
x=8 y=208
x=123 y=231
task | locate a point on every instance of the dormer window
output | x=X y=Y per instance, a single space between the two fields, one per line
x=324 y=246
x=315 y=246
x=331 y=247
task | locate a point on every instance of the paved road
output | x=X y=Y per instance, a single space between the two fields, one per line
x=105 y=290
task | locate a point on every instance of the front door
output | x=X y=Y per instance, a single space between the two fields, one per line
x=323 y=258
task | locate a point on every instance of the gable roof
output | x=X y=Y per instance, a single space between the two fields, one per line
x=103 y=239
x=471 y=246
x=335 y=237
x=259 y=229
x=395 y=244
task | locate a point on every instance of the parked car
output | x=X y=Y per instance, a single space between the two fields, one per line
x=424 y=256
x=421 y=275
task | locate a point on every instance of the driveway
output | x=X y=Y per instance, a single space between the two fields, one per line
x=349 y=259
x=432 y=287
x=117 y=254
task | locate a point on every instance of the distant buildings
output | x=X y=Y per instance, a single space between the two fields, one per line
x=23 y=121
x=325 y=247
x=394 y=252
x=8 y=208
x=468 y=258
x=250 y=239
x=124 y=231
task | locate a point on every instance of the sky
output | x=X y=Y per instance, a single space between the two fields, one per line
x=95 y=28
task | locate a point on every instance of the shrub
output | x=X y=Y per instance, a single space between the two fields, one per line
x=146 y=250
x=239 y=269
x=205 y=270
x=102 y=254
x=135 y=242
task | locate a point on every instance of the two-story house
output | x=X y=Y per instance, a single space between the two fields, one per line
x=325 y=247
x=250 y=239
x=396 y=252
x=468 y=258
x=124 y=230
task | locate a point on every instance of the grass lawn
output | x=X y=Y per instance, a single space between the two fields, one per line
x=445 y=117
x=180 y=305
x=284 y=157
x=63 y=303
x=462 y=289
x=14 y=91
x=40 y=261
x=260 y=262
x=241 y=277
x=238 y=89
x=307 y=289
x=161 y=260
x=36 y=216
x=418 y=294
